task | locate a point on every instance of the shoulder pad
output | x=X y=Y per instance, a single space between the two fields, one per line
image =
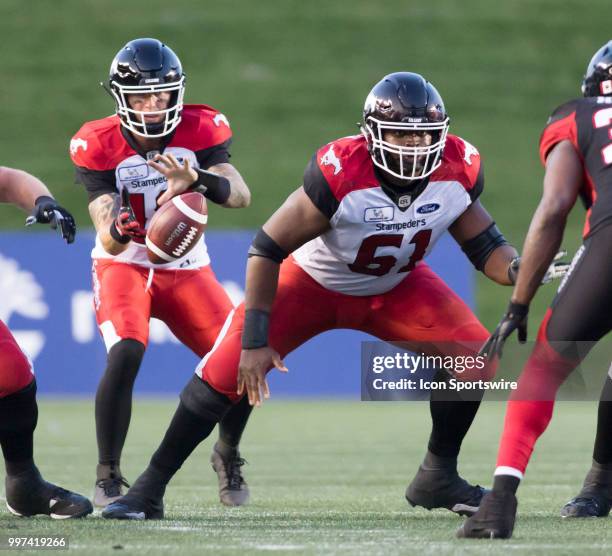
x=346 y=165
x=97 y=144
x=201 y=127
x=460 y=162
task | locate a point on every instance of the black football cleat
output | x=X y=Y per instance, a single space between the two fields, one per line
x=133 y=507
x=233 y=489
x=493 y=520
x=587 y=506
x=444 y=488
x=28 y=494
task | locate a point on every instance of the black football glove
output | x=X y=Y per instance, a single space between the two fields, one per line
x=126 y=227
x=514 y=319
x=47 y=211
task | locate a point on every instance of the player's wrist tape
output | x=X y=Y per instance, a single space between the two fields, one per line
x=513 y=269
x=117 y=235
x=264 y=246
x=212 y=186
x=255 y=333
x=479 y=248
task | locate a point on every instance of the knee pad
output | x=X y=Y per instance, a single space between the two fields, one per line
x=124 y=358
x=19 y=411
x=200 y=398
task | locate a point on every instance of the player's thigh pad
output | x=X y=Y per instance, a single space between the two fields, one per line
x=582 y=309
x=122 y=301
x=193 y=304
x=15 y=369
x=302 y=309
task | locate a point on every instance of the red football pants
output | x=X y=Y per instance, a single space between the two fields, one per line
x=420 y=311
x=15 y=369
x=579 y=316
x=192 y=303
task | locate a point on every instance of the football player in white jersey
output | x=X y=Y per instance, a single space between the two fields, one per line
x=345 y=250
x=153 y=148
x=26 y=492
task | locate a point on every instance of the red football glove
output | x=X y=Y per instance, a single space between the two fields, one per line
x=125 y=227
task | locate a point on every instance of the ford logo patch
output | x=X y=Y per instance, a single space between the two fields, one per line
x=426 y=209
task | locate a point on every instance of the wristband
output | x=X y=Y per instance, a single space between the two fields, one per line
x=255 y=333
x=212 y=186
x=117 y=236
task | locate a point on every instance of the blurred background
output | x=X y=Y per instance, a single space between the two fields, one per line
x=290 y=76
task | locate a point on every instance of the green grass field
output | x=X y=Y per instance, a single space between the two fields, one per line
x=326 y=478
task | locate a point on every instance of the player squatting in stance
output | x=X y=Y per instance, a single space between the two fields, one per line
x=371 y=207
x=27 y=493
x=130 y=163
x=576 y=148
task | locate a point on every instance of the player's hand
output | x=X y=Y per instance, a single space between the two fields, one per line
x=126 y=223
x=180 y=176
x=254 y=364
x=47 y=211
x=514 y=319
x=558 y=268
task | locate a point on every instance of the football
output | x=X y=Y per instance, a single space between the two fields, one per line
x=176 y=227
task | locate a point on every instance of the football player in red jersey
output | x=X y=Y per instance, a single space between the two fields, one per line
x=576 y=149
x=371 y=207
x=155 y=147
x=27 y=493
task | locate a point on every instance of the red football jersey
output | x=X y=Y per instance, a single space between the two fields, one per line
x=378 y=235
x=108 y=160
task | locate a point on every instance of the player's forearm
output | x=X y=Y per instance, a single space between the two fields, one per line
x=261 y=283
x=541 y=244
x=240 y=196
x=496 y=267
x=103 y=212
x=20 y=188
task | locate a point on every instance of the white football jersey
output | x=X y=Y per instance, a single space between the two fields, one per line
x=108 y=162
x=374 y=240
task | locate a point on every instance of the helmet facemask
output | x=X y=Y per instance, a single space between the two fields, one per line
x=405 y=162
x=134 y=120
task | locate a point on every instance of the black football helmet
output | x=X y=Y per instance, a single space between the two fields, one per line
x=598 y=77
x=147 y=66
x=405 y=101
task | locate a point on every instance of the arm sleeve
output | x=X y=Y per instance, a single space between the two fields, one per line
x=218 y=154
x=96 y=182
x=318 y=190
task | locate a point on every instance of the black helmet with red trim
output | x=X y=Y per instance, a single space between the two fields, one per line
x=405 y=102
x=146 y=66
x=598 y=77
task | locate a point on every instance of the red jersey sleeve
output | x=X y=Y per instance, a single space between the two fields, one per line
x=560 y=126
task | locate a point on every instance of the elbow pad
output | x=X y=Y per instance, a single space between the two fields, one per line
x=479 y=248
x=264 y=246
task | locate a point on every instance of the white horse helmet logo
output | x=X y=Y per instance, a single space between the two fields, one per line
x=470 y=151
x=76 y=144
x=330 y=159
x=220 y=118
